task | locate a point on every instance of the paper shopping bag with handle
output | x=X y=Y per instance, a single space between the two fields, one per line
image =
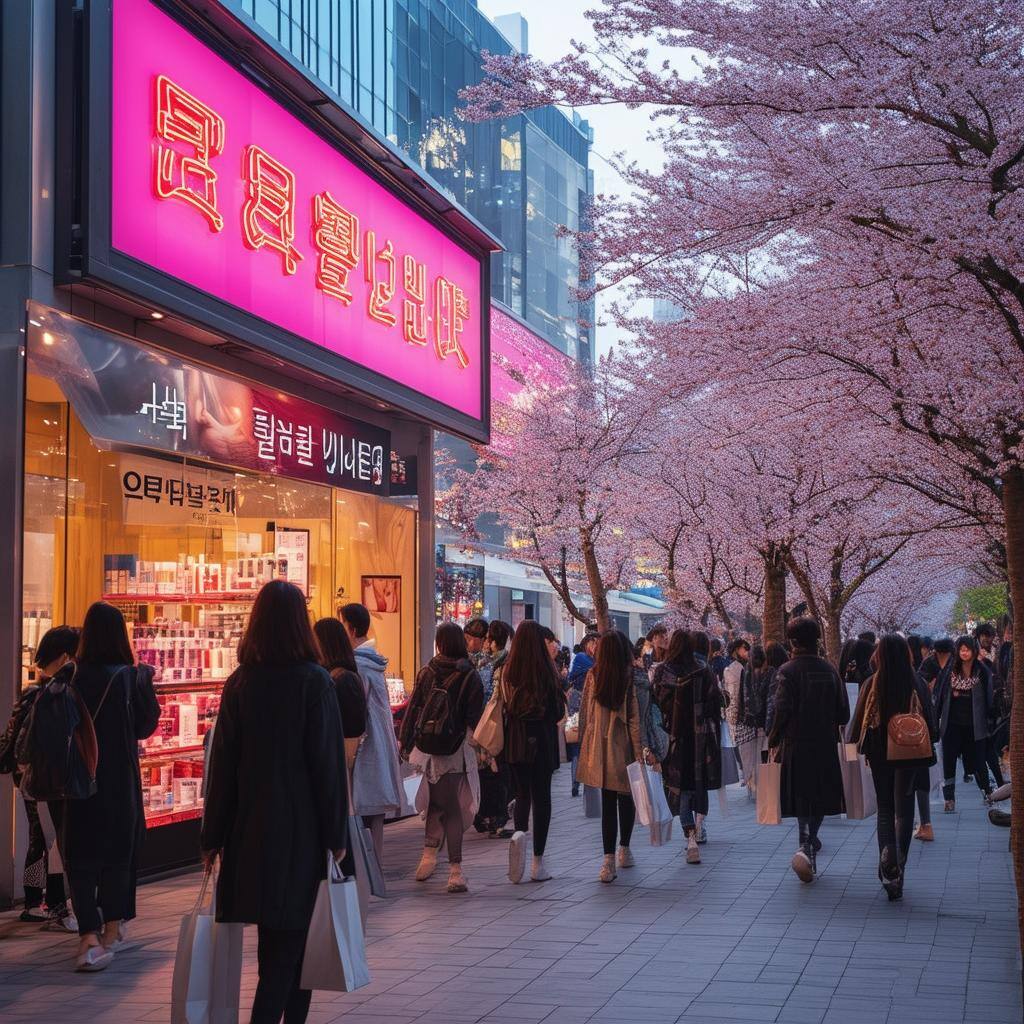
x=207 y=980
x=769 y=789
x=335 y=957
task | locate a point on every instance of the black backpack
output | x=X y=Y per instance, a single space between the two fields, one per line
x=440 y=729
x=56 y=749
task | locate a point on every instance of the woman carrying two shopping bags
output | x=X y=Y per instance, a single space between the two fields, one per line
x=277 y=799
x=609 y=742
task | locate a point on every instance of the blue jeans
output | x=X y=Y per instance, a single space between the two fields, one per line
x=691 y=803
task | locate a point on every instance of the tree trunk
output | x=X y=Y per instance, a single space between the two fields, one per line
x=773 y=625
x=833 y=635
x=598 y=593
x=1013 y=508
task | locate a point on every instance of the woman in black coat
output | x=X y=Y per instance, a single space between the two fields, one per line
x=890 y=691
x=277 y=801
x=103 y=834
x=810 y=708
x=690 y=700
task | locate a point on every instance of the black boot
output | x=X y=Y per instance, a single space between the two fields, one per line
x=890 y=874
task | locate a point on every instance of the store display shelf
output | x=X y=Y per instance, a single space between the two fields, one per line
x=190 y=686
x=156 y=753
x=170 y=817
x=220 y=597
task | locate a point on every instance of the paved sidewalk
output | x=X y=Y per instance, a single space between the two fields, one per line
x=735 y=939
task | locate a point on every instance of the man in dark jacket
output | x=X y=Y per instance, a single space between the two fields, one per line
x=811 y=707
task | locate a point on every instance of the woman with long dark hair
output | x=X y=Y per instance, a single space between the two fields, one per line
x=963 y=696
x=338 y=657
x=894 y=689
x=691 y=705
x=104 y=833
x=609 y=742
x=277 y=798
x=534 y=705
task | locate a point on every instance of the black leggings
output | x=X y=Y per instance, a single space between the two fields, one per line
x=532 y=785
x=618 y=814
x=958 y=740
x=894 y=791
x=279 y=955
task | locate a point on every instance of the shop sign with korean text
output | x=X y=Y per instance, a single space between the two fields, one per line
x=125 y=393
x=159 y=491
x=216 y=184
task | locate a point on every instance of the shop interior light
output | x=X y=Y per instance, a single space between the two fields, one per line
x=35 y=323
x=47 y=338
x=156 y=315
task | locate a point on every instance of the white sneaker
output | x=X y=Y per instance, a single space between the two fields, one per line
x=625 y=858
x=427 y=864
x=121 y=943
x=538 y=872
x=516 y=857
x=456 y=879
x=95 y=958
x=607 y=872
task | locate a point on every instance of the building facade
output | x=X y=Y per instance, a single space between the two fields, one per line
x=230 y=324
x=401 y=64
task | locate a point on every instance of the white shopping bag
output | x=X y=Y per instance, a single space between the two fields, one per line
x=858 y=789
x=652 y=808
x=207 y=980
x=335 y=956
x=411 y=786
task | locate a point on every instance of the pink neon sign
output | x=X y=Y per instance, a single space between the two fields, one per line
x=216 y=184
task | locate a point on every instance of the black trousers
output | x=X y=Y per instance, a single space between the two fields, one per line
x=958 y=739
x=100 y=893
x=532 y=786
x=618 y=815
x=894 y=791
x=279 y=956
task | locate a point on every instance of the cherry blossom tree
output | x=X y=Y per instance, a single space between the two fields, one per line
x=561 y=473
x=867 y=159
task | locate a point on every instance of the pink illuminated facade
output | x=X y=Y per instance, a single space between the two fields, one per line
x=219 y=186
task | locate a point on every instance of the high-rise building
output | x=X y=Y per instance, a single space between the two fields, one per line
x=401 y=65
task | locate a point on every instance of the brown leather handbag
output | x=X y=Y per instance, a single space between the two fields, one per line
x=908 y=736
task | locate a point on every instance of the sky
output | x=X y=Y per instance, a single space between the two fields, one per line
x=553 y=26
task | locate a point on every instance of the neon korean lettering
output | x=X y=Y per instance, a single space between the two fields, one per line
x=414 y=306
x=451 y=311
x=182 y=118
x=381 y=291
x=336 y=236
x=268 y=216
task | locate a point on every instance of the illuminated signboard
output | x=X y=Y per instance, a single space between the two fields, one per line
x=217 y=185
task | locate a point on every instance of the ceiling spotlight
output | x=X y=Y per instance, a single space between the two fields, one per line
x=156 y=316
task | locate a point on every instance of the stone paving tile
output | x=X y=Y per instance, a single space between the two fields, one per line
x=734 y=940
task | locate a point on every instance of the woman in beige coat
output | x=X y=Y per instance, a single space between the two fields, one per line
x=609 y=742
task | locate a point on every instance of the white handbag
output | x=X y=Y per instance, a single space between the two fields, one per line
x=207 y=980
x=335 y=956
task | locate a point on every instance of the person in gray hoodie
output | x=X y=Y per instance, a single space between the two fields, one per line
x=377 y=775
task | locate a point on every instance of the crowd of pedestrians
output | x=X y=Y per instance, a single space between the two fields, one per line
x=304 y=758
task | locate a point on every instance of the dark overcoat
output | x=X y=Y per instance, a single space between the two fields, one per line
x=277 y=798
x=107 y=829
x=691 y=705
x=811 y=707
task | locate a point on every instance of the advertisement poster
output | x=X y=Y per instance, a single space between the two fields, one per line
x=291 y=548
x=463 y=592
x=125 y=393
